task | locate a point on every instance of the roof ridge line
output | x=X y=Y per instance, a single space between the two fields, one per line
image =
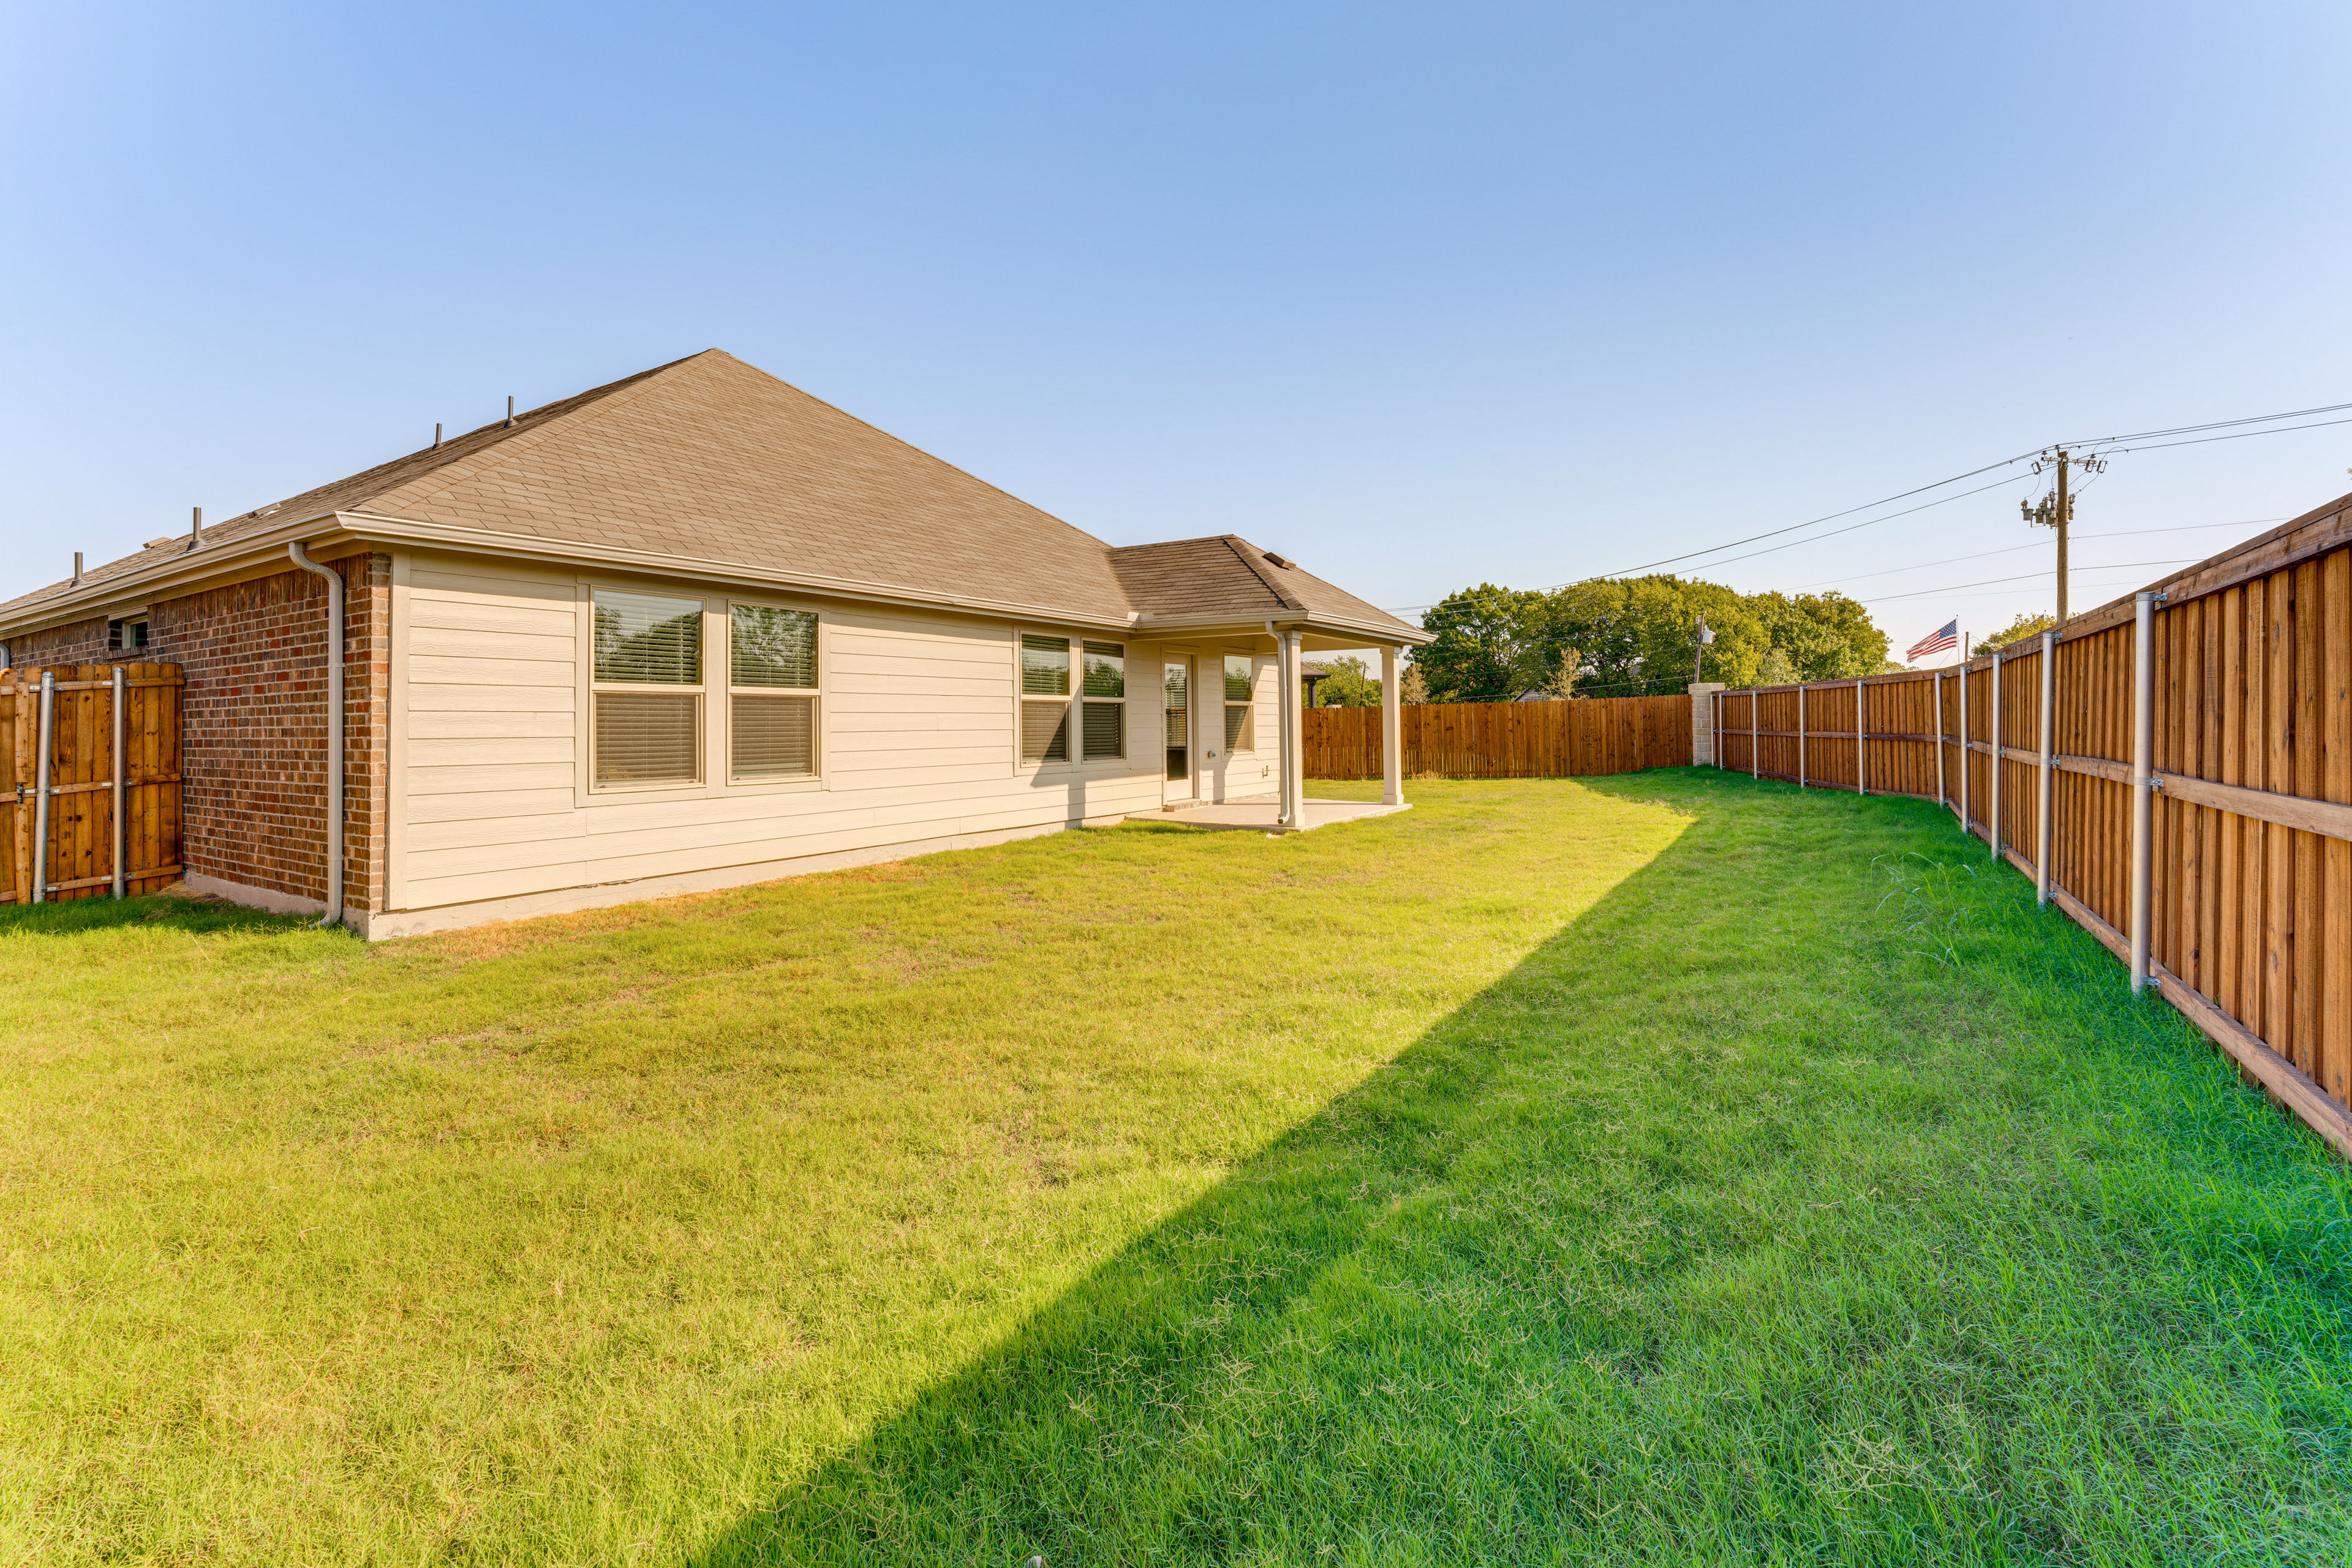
x=1234 y=542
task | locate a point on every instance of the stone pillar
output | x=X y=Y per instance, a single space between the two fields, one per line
x=1702 y=696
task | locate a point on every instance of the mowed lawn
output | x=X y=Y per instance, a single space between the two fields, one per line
x=1661 y=1168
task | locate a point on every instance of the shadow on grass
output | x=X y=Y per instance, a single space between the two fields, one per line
x=1546 y=1288
x=78 y=917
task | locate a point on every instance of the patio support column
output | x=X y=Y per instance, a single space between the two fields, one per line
x=1294 y=734
x=1391 y=730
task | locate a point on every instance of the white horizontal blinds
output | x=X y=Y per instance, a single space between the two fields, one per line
x=1180 y=737
x=1044 y=699
x=775 y=737
x=646 y=737
x=772 y=648
x=1104 y=726
x=1241 y=709
x=771 y=673
x=648 y=689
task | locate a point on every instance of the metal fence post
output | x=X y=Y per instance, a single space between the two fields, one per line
x=1941 y=792
x=118 y=781
x=1965 y=828
x=1754 y=751
x=1801 y=735
x=41 y=790
x=1860 y=745
x=2143 y=778
x=2043 y=835
x=1992 y=822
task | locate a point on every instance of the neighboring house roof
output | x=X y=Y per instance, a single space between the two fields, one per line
x=712 y=462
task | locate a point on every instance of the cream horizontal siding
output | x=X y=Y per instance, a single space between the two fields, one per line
x=919 y=748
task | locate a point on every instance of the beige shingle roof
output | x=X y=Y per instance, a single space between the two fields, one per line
x=710 y=459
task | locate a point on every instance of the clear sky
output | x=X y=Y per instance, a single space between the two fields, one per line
x=1420 y=296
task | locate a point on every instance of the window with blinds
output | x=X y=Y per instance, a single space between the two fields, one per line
x=646 y=690
x=772 y=693
x=1103 y=723
x=1044 y=698
x=1241 y=706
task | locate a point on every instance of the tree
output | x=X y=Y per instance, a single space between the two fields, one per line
x=1350 y=684
x=1625 y=637
x=2018 y=630
x=1491 y=644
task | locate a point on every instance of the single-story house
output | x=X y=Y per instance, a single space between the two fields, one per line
x=690 y=630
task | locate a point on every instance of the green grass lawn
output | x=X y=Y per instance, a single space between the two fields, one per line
x=1661 y=1168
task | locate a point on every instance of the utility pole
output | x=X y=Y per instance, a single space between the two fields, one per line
x=2057 y=510
x=1698 y=667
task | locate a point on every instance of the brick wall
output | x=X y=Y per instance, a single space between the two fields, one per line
x=83 y=642
x=254 y=727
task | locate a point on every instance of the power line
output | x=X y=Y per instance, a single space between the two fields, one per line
x=1832 y=517
x=1931 y=593
x=2109 y=443
x=2201 y=440
x=2214 y=424
x=2036 y=544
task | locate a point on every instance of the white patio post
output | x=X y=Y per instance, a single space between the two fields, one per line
x=1294 y=760
x=1391 y=730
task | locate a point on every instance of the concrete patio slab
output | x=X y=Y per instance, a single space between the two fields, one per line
x=1261 y=815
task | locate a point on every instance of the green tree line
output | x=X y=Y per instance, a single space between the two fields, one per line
x=1637 y=636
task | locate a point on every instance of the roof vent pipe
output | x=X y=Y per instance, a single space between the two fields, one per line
x=195 y=524
x=509 y=410
x=436 y=435
x=77 y=578
x=334 y=914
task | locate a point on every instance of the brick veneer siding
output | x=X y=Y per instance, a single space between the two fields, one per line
x=254 y=727
x=83 y=642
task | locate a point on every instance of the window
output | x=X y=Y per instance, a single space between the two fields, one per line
x=126 y=636
x=1044 y=699
x=1103 y=731
x=1241 y=707
x=772 y=693
x=647 y=691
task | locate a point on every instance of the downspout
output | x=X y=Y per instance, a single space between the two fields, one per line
x=334 y=914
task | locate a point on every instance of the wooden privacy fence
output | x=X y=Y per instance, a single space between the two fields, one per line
x=2173 y=769
x=1505 y=740
x=97 y=809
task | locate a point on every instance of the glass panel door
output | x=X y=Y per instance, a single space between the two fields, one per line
x=1179 y=722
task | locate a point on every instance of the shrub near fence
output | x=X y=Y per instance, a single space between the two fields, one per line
x=2225 y=877
x=1505 y=740
x=84 y=785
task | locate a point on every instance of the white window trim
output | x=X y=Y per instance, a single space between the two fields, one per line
x=591 y=687
x=821 y=778
x=1073 y=707
x=714 y=734
x=1258 y=680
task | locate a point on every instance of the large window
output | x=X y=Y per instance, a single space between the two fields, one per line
x=647 y=691
x=1240 y=704
x=1044 y=699
x=1052 y=712
x=772 y=693
x=1104 y=730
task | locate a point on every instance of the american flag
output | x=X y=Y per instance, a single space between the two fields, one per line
x=1948 y=637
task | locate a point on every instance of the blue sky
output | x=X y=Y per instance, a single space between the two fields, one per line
x=1422 y=297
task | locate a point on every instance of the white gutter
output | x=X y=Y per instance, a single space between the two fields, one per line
x=334 y=915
